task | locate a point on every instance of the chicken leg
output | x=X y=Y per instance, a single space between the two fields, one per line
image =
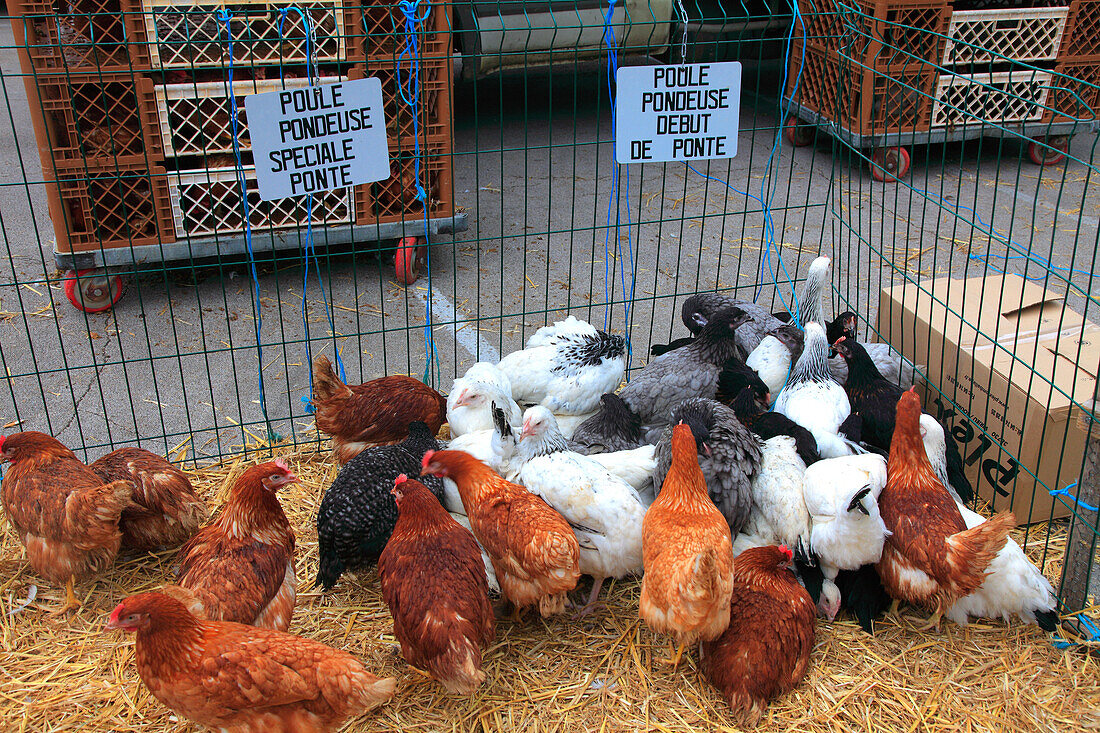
x=72 y=603
x=674 y=661
x=933 y=622
x=597 y=584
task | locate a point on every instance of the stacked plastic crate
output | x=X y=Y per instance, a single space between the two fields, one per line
x=891 y=73
x=131 y=102
x=80 y=61
x=1079 y=60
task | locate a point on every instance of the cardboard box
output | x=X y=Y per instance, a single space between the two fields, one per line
x=1017 y=377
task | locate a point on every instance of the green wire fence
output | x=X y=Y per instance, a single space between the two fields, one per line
x=124 y=167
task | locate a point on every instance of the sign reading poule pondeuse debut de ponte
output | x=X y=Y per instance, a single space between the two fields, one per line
x=318 y=138
x=684 y=112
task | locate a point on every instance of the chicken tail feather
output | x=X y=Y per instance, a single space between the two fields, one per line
x=326 y=385
x=969 y=552
x=1047 y=620
x=857 y=501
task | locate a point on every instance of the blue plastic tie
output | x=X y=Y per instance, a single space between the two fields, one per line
x=1093 y=634
x=613 y=202
x=1077 y=502
x=409 y=90
x=310 y=251
x=225 y=17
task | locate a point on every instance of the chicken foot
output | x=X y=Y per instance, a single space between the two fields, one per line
x=592 y=603
x=72 y=603
x=933 y=621
x=674 y=661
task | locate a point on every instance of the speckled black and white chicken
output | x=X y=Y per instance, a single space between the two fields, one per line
x=472 y=396
x=566 y=367
x=728 y=454
x=691 y=371
x=814 y=400
x=357 y=513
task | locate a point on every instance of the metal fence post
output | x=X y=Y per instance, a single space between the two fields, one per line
x=1079 y=582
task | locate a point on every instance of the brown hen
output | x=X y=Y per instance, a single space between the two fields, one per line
x=65 y=516
x=766 y=649
x=376 y=412
x=687 y=553
x=241 y=679
x=166 y=510
x=931 y=559
x=240 y=567
x=434 y=583
x=533 y=549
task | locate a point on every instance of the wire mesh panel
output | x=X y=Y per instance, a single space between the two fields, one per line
x=949 y=174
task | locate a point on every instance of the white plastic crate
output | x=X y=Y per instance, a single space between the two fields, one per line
x=1019 y=34
x=196 y=119
x=207 y=202
x=990 y=98
x=190 y=34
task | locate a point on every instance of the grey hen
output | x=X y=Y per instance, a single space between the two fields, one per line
x=728 y=454
x=699 y=309
x=614 y=427
x=691 y=371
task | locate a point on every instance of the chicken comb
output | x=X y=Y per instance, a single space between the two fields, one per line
x=427 y=459
x=280 y=463
x=2 y=439
x=839 y=340
x=401 y=478
x=786 y=552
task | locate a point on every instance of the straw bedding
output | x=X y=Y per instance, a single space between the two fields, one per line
x=597 y=674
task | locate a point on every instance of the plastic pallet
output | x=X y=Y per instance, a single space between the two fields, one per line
x=394 y=199
x=195 y=118
x=990 y=98
x=121 y=207
x=1082 y=38
x=1017 y=34
x=90 y=122
x=384 y=24
x=97 y=36
x=1076 y=96
x=887 y=31
x=865 y=100
x=191 y=35
x=206 y=202
x=435 y=91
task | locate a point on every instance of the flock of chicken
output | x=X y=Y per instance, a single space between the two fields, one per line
x=740 y=473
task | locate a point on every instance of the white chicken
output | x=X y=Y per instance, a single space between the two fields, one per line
x=469 y=404
x=490 y=573
x=566 y=367
x=772 y=359
x=635 y=466
x=1013 y=585
x=606 y=513
x=847 y=530
x=814 y=400
x=779 y=515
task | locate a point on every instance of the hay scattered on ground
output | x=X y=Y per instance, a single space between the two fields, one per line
x=599 y=674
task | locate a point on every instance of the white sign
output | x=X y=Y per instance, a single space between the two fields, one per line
x=318 y=138
x=683 y=112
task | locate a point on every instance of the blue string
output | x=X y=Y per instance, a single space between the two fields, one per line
x=1093 y=633
x=613 y=201
x=310 y=251
x=1076 y=501
x=225 y=16
x=409 y=90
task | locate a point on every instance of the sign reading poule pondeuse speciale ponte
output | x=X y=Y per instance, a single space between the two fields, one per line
x=683 y=112
x=318 y=138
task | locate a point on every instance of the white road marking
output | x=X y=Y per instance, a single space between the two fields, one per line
x=466 y=333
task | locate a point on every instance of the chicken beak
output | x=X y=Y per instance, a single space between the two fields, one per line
x=706 y=449
x=462 y=399
x=527 y=431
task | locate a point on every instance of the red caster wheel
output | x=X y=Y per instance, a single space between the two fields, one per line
x=799 y=133
x=406 y=261
x=1050 y=153
x=93 y=291
x=889 y=164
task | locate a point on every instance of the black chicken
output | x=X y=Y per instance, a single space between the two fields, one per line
x=737 y=375
x=875 y=398
x=613 y=428
x=358 y=513
x=770 y=424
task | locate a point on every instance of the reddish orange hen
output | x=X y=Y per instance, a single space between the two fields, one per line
x=376 y=412
x=241 y=679
x=766 y=649
x=166 y=510
x=687 y=552
x=240 y=567
x=931 y=559
x=533 y=549
x=64 y=514
x=434 y=583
